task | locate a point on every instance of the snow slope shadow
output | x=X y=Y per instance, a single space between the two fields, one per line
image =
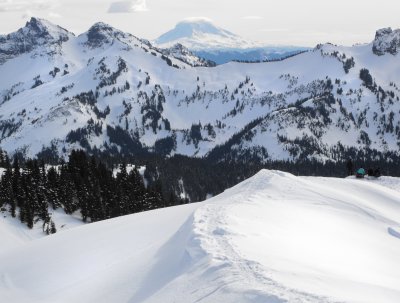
x=394 y=232
x=170 y=261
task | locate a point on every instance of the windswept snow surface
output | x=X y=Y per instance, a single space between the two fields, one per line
x=273 y=238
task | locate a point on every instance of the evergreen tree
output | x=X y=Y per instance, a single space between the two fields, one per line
x=123 y=192
x=137 y=191
x=53 y=228
x=16 y=183
x=7 y=193
x=350 y=167
x=52 y=185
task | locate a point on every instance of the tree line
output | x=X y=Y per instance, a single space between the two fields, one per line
x=90 y=185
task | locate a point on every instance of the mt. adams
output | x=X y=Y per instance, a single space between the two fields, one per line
x=209 y=41
x=111 y=91
x=198 y=34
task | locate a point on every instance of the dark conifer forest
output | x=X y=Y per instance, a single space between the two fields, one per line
x=82 y=184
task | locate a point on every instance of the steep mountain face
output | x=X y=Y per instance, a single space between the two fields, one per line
x=216 y=44
x=109 y=91
x=101 y=34
x=38 y=35
x=387 y=41
x=184 y=54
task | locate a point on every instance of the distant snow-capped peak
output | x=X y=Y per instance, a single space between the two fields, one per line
x=201 y=33
x=41 y=28
x=101 y=33
x=36 y=33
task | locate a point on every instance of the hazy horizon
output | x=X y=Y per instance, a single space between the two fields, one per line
x=287 y=22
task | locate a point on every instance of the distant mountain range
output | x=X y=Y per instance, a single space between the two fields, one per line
x=110 y=91
x=213 y=43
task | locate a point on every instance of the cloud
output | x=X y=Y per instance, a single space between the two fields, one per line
x=26 y=6
x=274 y=30
x=252 y=18
x=197 y=19
x=128 y=6
x=27 y=14
x=54 y=15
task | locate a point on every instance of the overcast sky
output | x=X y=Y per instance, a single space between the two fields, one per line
x=287 y=22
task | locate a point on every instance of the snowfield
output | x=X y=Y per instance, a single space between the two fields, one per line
x=14 y=234
x=273 y=238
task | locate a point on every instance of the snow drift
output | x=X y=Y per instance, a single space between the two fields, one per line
x=273 y=238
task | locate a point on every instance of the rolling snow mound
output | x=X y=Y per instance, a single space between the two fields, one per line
x=273 y=238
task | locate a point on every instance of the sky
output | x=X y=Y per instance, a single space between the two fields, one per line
x=279 y=22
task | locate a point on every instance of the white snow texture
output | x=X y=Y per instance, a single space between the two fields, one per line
x=273 y=238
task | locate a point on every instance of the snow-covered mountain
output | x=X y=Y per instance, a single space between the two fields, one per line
x=273 y=238
x=182 y=53
x=110 y=91
x=200 y=34
x=37 y=37
x=213 y=43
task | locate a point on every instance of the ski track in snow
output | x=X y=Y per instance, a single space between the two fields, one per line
x=247 y=273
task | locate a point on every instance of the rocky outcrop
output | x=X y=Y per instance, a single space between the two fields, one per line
x=36 y=33
x=386 y=41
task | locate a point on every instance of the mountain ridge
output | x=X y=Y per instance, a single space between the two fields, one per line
x=112 y=92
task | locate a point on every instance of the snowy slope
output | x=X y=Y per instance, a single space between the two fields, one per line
x=15 y=234
x=273 y=238
x=111 y=91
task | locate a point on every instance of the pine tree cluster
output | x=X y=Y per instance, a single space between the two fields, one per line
x=82 y=184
